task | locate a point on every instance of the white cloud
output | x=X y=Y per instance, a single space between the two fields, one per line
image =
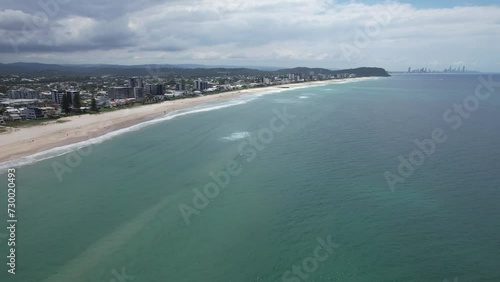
x=281 y=32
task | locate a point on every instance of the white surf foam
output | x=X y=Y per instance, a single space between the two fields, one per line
x=354 y=80
x=237 y=136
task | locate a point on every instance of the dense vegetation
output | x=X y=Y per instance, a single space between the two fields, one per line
x=77 y=72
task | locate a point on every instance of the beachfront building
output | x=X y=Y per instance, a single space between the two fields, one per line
x=12 y=114
x=154 y=89
x=45 y=95
x=175 y=94
x=180 y=86
x=159 y=90
x=103 y=102
x=23 y=113
x=138 y=93
x=39 y=112
x=200 y=85
x=71 y=95
x=116 y=93
x=23 y=93
x=17 y=102
x=57 y=95
x=35 y=113
x=148 y=89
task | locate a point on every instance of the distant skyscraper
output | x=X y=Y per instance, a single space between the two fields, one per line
x=463 y=69
x=409 y=69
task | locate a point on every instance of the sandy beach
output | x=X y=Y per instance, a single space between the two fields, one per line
x=22 y=142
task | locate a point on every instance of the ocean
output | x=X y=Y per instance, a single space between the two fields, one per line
x=387 y=179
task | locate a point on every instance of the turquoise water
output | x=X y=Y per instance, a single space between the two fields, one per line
x=317 y=175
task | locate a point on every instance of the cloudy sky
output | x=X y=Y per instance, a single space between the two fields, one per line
x=282 y=33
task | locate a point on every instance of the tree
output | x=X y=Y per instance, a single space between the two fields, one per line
x=77 y=102
x=66 y=104
x=93 y=105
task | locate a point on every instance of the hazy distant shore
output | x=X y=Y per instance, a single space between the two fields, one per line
x=24 y=142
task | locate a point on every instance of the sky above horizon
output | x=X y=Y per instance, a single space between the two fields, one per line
x=281 y=33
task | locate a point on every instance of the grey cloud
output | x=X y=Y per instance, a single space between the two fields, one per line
x=309 y=30
x=65 y=35
x=13 y=20
x=44 y=48
x=111 y=34
x=164 y=48
x=97 y=9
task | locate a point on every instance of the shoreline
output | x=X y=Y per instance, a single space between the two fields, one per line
x=24 y=142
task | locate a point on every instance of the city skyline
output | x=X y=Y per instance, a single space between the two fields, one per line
x=450 y=69
x=284 y=33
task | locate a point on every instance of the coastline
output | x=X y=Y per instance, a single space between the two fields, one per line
x=29 y=141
